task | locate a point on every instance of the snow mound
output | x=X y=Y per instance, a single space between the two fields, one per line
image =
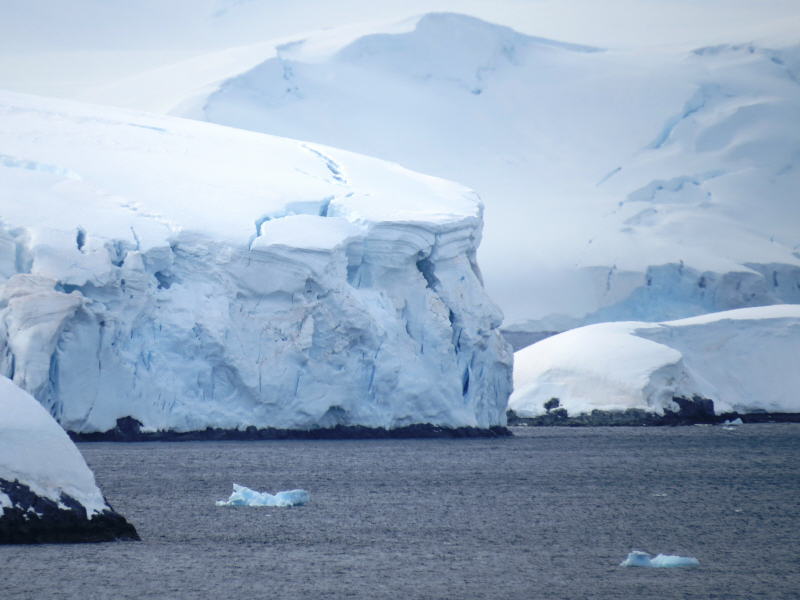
x=47 y=492
x=244 y=496
x=638 y=558
x=191 y=276
x=744 y=360
x=37 y=452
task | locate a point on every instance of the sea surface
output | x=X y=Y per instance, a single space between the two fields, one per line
x=549 y=513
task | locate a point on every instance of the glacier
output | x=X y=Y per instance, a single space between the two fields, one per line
x=635 y=183
x=244 y=496
x=637 y=558
x=47 y=492
x=744 y=360
x=189 y=276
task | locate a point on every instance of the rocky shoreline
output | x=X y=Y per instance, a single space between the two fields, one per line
x=129 y=429
x=691 y=411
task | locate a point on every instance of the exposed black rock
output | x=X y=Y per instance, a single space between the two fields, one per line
x=128 y=429
x=36 y=520
x=694 y=410
x=551 y=404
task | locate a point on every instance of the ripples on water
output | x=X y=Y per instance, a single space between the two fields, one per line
x=547 y=514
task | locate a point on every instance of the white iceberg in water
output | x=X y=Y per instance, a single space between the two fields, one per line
x=637 y=558
x=244 y=496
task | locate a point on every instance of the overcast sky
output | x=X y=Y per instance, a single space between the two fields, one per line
x=57 y=47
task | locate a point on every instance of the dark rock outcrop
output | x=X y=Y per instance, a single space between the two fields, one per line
x=34 y=519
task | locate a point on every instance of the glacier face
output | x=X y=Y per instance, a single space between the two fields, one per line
x=192 y=276
x=745 y=360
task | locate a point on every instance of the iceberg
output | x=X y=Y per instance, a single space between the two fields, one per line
x=47 y=492
x=743 y=360
x=638 y=558
x=146 y=273
x=244 y=496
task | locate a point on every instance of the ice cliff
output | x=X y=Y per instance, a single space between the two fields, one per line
x=743 y=360
x=47 y=492
x=190 y=276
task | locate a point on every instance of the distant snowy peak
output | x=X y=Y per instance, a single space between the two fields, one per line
x=451 y=48
x=648 y=184
x=441 y=48
x=725 y=165
x=786 y=59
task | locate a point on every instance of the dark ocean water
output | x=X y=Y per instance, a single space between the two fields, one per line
x=549 y=513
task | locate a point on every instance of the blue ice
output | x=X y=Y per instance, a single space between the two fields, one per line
x=638 y=558
x=244 y=496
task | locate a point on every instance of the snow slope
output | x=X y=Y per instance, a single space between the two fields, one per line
x=47 y=492
x=645 y=183
x=190 y=275
x=37 y=452
x=744 y=360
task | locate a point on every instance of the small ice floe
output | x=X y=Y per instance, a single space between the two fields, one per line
x=638 y=558
x=733 y=423
x=243 y=496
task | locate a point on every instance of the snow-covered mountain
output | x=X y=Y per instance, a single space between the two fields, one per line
x=190 y=275
x=744 y=360
x=47 y=492
x=645 y=183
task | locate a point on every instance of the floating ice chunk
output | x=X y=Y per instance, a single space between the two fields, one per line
x=638 y=558
x=243 y=496
x=732 y=422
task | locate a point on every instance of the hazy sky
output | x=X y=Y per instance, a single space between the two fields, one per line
x=37 y=25
x=58 y=48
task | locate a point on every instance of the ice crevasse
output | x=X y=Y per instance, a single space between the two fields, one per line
x=190 y=275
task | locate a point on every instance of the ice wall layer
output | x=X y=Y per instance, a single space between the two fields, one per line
x=195 y=276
